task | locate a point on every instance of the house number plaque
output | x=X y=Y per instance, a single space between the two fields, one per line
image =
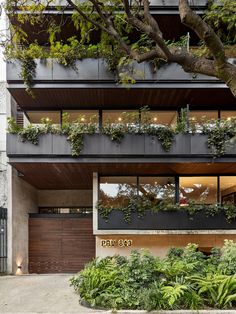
x=116 y=243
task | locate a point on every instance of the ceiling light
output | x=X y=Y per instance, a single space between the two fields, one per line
x=119 y=119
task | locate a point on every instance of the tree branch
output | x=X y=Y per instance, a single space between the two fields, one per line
x=203 y=30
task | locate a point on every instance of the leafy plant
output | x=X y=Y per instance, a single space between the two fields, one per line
x=185 y=279
x=219 y=135
x=218 y=290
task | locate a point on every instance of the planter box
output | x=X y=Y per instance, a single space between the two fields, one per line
x=16 y=147
x=99 y=145
x=169 y=220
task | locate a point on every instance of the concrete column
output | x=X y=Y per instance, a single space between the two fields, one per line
x=24 y=201
x=95 y=201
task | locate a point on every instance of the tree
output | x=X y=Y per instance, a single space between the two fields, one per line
x=124 y=32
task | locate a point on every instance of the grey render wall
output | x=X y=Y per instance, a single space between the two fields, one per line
x=24 y=201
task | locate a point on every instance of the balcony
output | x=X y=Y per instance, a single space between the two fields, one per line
x=56 y=86
x=92 y=70
x=166 y=6
x=164 y=220
x=100 y=148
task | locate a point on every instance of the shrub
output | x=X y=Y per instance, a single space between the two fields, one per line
x=185 y=279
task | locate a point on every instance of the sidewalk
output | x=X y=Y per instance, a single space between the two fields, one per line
x=52 y=294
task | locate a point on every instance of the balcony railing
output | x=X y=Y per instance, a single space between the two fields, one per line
x=165 y=220
x=98 y=145
x=96 y=70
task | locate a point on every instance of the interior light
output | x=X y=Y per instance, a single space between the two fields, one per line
x=155 y=182
x=229 y=118
x=82 y=119
x=119 y=119
x=47 y=119
x=155 y=119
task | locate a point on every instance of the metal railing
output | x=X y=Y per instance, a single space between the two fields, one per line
x=3 y=240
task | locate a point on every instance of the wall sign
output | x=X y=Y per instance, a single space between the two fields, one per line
x=116 y=243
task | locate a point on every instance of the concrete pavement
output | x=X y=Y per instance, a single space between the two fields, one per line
x=52 y=294
x=39 y=294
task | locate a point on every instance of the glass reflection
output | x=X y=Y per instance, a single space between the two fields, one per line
x=200 y=190
x=157 y=189
x=117 y=191
x=228 y=189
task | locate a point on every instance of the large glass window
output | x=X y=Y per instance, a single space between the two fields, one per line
x=228 y=189
x=117 y=191
x=200 y=190
x=120 y=117
x=228 y=115
x=198 y=116
x=36 y=117
x=157 y=189
x=159 y=117
x=83 y=116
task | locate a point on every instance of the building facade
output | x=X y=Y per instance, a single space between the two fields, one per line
x=66 y=210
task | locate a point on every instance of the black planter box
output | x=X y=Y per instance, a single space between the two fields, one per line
x=165 y=220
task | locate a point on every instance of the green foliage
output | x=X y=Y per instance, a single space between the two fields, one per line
x=221 y=15
x=139 y=205
x=218 y=290
x=219 y=135
x=185 y=279
x=227 y=260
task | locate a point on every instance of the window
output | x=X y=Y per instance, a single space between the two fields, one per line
x=196 y=118
x=228 y=189
x=202 y=116
x=157 y=189
x=36 y=117
x=228 y=115
x=120 y=117
x=116 y=191
x=83 y=116
x=159 y=117
x=65 y=210
x=200 y=190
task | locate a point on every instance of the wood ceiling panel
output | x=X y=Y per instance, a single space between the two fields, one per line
x=66 y=98
x=79 y=176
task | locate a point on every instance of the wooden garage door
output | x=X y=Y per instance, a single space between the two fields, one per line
x=60 y=245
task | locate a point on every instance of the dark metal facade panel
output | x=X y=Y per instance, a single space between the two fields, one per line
x=133 y=146
x=92 y=70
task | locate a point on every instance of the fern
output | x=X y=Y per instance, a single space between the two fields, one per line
x=173 y=293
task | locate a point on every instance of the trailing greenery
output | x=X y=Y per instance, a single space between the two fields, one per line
x=82 y=44
x=184 y=279
x=221 y=133
x=139 y=205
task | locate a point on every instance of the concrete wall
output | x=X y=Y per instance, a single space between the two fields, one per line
x=65 y=198
x=24 y=201
x=3 y=158
x=159 y=245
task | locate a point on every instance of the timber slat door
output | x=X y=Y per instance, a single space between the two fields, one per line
x=60 y=245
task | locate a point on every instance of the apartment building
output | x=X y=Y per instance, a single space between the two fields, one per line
x=66 y=210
